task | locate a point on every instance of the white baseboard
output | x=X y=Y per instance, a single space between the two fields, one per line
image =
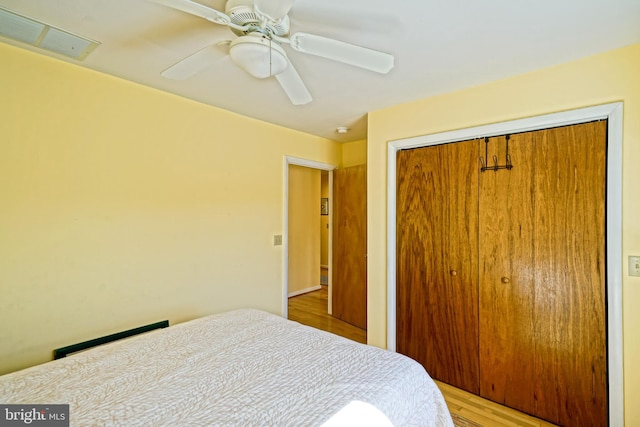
x=304 y=291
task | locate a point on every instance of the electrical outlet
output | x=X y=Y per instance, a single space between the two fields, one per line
x=277 y=240
x=634 y=266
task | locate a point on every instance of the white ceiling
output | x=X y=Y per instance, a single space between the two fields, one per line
x=439 y=46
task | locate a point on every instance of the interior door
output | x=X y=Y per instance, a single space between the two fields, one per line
x=349 y=256
x=570 y=307
x=437 y=261
x=507 y=215
x=542 y=276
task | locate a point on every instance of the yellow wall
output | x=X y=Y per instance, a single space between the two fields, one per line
x=121 y=205
x=608 y=77
x=304 y=232
x=354 y=153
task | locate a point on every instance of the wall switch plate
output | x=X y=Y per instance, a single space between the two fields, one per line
x=634 y=266
x=277 y=240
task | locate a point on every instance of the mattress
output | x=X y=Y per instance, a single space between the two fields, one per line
x=240 y=368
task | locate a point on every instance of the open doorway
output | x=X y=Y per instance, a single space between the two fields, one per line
x=302 y=197
x=308 y=249
x=306 y=214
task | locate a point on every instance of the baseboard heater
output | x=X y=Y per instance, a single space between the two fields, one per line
x=61 y=352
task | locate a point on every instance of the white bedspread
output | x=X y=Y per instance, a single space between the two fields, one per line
x=241 y=368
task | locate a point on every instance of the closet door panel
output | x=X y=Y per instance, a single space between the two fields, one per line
x=419 y=253
x=507 y=275
x=570 y=363
x=437 y=261
x=461 y=263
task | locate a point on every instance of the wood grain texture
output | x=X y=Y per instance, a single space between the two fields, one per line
x=541 y=271
x=542 y=334
x=349 y=266
x=437 y=270
x=507 y=255
x=570 y=314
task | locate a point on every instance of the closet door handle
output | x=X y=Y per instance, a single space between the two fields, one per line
x=505 y=280
x=453 y=273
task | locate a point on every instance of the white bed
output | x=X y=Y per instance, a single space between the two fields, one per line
x=240 y=368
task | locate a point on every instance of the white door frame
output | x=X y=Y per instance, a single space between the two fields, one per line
x=289 y=160
x=612 y=112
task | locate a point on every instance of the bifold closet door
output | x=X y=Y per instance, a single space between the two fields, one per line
x=542 y=276
x=570 y=307
x=437 y=261
x=507 y=215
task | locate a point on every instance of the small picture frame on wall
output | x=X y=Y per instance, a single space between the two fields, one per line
x=324 y=206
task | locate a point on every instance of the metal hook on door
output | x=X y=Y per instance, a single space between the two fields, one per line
x=508 y=165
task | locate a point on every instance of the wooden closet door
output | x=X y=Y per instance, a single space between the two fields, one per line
x=569 y=309
x=542 y=272
x=437 y=267
x=507 y=342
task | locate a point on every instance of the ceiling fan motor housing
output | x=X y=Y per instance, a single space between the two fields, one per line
x=242 y=12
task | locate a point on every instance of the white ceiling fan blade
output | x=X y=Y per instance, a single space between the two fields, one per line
x=196 y=9
x=347 y=53
x=293 y=86
x=194 y=63
x=273 y=9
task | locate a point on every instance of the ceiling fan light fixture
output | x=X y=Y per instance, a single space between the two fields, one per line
x=258 y=56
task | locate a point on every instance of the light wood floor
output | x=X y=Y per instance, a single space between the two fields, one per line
x=485 y=412
x=311 y=309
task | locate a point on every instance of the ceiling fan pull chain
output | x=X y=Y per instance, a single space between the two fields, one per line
x=270 y=73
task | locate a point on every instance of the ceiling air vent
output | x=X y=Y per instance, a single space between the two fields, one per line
x=44 y=36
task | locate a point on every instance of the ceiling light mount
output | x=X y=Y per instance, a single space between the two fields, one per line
x=342 y=130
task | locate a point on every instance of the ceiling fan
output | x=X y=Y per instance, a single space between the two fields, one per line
x=262 y=27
